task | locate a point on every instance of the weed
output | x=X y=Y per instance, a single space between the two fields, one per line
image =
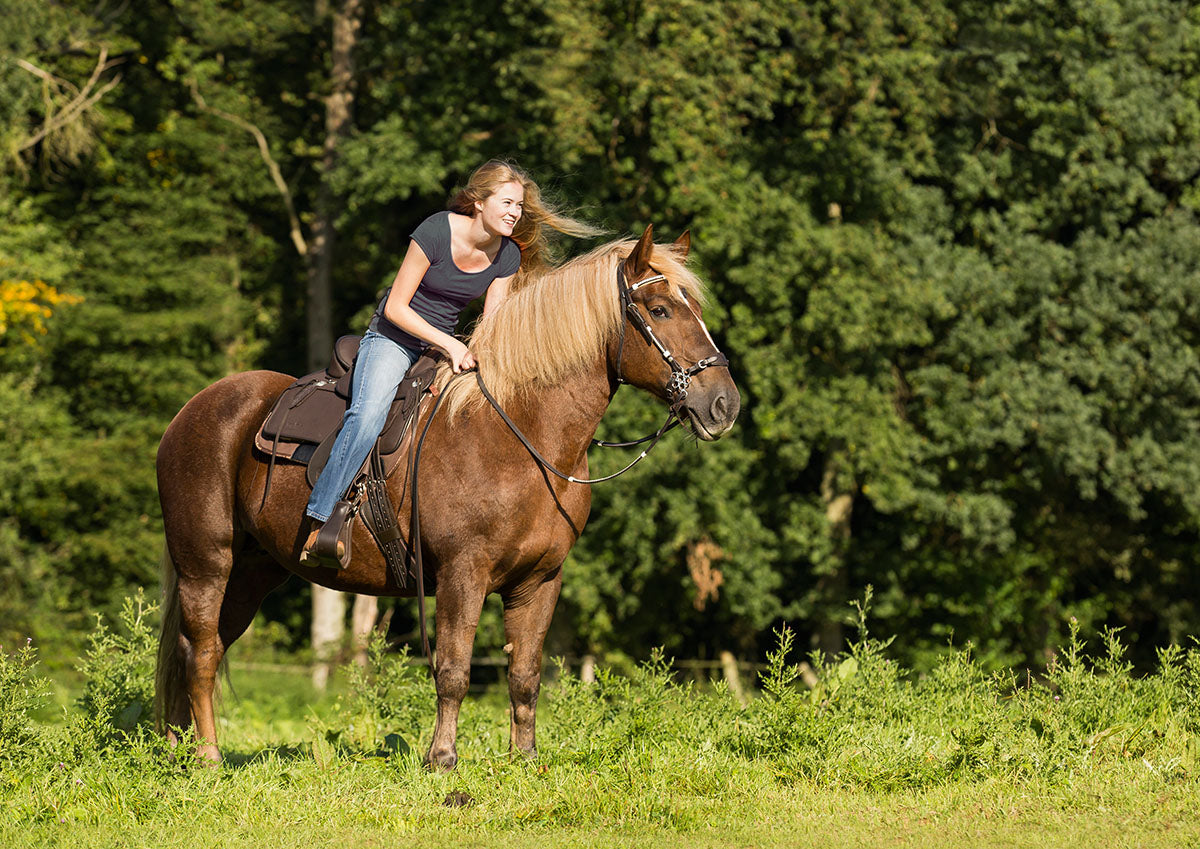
x=636 y=751
x=386 y=703
x=605 y=720
x=21 y=693
x=118 y=669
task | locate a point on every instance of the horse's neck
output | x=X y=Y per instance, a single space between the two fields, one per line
x=560 y=420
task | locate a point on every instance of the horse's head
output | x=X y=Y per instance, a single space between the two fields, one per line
x=664 y=346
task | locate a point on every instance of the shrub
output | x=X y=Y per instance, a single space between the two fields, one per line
x=118 y=670
x=21 y=693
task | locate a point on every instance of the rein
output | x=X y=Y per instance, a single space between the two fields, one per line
x=671 y=422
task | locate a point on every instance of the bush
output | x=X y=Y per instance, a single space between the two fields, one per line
x=119 y=670
x=21 y=693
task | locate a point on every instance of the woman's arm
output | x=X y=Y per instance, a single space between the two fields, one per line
x=496 y=293
x=398 y=311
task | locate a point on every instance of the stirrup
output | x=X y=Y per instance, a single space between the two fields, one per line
x=332 y=547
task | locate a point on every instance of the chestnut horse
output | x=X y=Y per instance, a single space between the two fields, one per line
x=492 y=518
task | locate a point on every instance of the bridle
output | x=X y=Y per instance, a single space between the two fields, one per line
x=676 y=387
x=680 y=378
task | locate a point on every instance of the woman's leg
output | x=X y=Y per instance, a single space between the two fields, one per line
x=378 y=370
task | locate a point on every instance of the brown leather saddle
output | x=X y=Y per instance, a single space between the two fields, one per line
x=306 y=419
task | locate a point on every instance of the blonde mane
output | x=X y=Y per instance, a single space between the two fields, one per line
x=554 y=326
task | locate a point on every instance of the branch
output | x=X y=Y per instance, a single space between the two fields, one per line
x=83 y=100
x=276 y=175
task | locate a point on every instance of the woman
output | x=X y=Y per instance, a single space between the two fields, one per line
x=490 y=241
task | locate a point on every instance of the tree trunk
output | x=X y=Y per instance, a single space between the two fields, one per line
x=347 y=21
x=328 y=625
x=837 y=496
x=733 y=678
x=328 y=629
x=362 y=622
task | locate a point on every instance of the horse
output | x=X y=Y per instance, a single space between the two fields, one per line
x=493 y=519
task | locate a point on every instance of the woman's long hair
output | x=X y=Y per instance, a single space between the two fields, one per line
x=536 y=219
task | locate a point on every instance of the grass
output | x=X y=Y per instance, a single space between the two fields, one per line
x=874 y=756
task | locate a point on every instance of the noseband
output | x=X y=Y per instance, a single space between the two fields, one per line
x=680 y=378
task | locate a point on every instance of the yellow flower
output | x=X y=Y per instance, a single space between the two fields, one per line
x=26 y=305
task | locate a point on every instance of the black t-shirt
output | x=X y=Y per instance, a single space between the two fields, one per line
x=445 y=290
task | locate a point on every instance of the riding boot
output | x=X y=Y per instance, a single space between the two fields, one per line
x=333 y=540
x=328 y=544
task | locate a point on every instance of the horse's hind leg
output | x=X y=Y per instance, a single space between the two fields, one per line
x=219 y=596
x=526 y=620
x=203 y=575
x=255 y=574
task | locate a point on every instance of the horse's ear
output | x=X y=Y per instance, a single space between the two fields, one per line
x=683 y=244
x=638 y=262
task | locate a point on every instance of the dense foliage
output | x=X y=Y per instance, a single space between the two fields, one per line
x=954 y=249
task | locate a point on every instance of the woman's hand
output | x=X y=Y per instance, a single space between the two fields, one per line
x=461 y=358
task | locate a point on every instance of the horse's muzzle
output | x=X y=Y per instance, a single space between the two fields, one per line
x=713 y=413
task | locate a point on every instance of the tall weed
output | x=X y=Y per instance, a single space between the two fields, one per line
x=870 y=723
x=110 y=726
x=118 y=669
x=21 y=693
x=606 y=719
x=387 y=702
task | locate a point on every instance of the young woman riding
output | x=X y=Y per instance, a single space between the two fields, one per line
x=491 y=240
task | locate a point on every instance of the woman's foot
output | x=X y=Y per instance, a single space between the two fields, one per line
x=308 y=554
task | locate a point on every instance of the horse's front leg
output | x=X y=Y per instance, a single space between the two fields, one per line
x=526 y=620
x=458 y=609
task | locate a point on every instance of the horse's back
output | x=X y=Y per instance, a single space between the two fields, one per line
x=231 y=401
x=208 y=436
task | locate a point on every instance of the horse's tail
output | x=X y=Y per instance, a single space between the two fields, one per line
x=169 y=674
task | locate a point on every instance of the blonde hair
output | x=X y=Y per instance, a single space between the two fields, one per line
x=537 y=217
x=555 y=325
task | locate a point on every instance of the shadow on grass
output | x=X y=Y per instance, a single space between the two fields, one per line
x=394 y=746
x=239 y=759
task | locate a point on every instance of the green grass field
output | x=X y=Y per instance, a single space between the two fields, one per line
x=1090 y=755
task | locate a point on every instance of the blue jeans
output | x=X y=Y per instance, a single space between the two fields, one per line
x=380 y=367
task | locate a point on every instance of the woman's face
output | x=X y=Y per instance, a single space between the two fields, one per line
x=501 y=210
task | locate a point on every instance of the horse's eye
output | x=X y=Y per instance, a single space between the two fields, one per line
x=660 y=312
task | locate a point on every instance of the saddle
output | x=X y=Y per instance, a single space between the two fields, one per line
x=306 y=419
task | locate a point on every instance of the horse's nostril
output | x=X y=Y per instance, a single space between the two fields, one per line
x=719 y=408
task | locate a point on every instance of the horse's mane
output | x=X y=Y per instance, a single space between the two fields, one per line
x=555 y=324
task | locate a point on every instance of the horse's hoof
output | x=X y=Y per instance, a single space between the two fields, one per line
x=443 y=762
